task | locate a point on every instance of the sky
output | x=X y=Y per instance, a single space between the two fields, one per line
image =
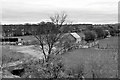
x=78 y=11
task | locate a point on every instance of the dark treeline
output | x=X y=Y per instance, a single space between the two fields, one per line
x=25 y=29
x=92 y=31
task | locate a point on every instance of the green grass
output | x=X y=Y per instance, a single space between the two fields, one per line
x=0 y=54
x=89 y=57
x=11 y=56
x=112 y=42
x=26 y=38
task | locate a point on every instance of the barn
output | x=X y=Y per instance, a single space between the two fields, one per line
x=76 y=37
x=10 y=40
x=73 y=37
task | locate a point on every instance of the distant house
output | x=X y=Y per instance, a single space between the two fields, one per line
x=108 y=33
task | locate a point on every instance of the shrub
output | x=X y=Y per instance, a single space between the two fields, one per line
x=90 y=36
x=100 y=32
x=76 y=72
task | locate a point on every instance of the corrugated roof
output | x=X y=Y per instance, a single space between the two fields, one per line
x=81 y=34
x=75 y=35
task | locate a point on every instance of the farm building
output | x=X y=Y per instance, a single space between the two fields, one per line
x=82 y=35
x=10 y=40
x=73 y=37
x=78 y=37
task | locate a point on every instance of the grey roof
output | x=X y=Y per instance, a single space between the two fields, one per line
x=81 y=34
x=75 y=35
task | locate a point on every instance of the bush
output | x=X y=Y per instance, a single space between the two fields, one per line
x=100 y=32
x=90 y=36
x=37 y=69
x=113 y=32
x=106 y=34
x=76 y=72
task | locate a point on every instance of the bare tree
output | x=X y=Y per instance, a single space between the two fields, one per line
x=58 y=19
x=48 y=34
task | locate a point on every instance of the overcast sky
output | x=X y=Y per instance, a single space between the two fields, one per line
x=78 y=11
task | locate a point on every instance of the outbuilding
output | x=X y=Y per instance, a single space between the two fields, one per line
x=73 y=37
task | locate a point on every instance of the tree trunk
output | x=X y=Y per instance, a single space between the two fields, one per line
x=47 y=59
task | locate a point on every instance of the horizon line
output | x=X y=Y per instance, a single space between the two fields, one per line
x=49 y=21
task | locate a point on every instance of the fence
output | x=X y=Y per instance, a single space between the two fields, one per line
x=78 y=46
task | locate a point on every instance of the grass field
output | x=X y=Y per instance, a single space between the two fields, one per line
x=110 y=42
x=104 y=61
x=9 y=55
x=27 y=38
x=0 y=54
x=0 y=61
